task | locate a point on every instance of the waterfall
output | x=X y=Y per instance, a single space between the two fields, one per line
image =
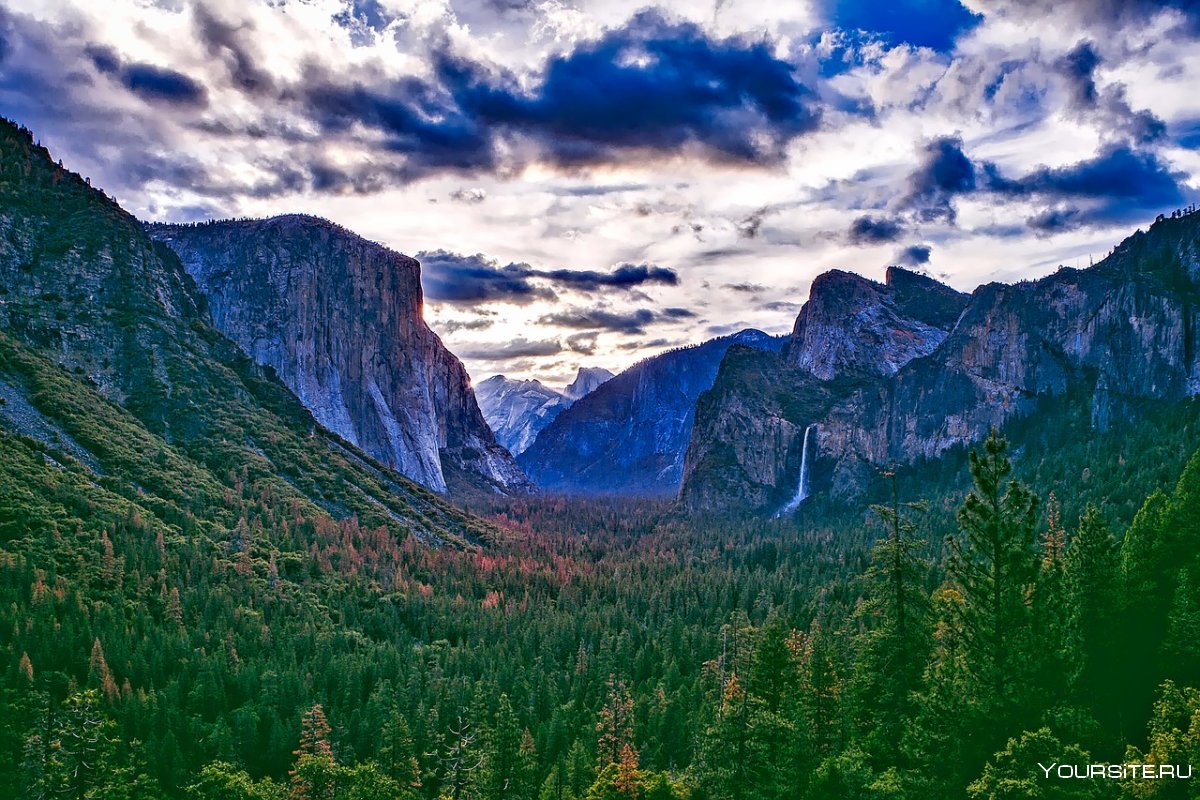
x=802 y=488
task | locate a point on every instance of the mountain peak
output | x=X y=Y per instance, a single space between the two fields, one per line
x=587 y=379
x=853 y=324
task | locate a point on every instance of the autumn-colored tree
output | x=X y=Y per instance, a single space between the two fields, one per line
x=313 y=776
x=614 y=727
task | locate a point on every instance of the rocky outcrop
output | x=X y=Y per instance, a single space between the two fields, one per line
x=1123 y=333
x=339 y=319
x=628 y=437
x=517 y=411
x=854 y=324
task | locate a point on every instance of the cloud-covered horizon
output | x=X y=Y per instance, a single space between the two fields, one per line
x=586 y=180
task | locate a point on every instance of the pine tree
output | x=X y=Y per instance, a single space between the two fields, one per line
x=992 y=564
x=628 y=775
x=503 y=778
x=614 y=726
x=894 y=643
x=1053 y=649
x=314 y=774
x=397 y=754
x=1093 y=580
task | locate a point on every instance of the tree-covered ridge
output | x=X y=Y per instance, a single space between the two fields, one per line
x=82 y=284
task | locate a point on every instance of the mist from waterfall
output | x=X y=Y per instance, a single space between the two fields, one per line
x=801 y=489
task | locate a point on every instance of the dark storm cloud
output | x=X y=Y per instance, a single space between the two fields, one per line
x=652 y=86
x=1054 y=220
x=1120 y=176
x=422 y=130
x=868 y=230
x=1121 y=183
x=469 y=280
x=600 y=319
x=1079 y=69
x=623 y=277
x=936 y=24
x=944 y=171
x=629 y=323
x=225 y=42
x=152 y=83
x=914 y=255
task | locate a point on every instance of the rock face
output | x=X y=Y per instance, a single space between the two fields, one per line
x=892 y=374
x=629 y=436
x=587 y=380
x=339 y=319
x=110 y=364
x=852 y=324
x=517 y=411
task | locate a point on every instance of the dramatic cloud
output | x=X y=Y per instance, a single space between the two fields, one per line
x=602 y=319
x=152 y=83
x=914 y=255
x=1079 y=68
x=1117 y=184
x=471 y=280
x=1111 y=107
x=652 y=86
x=625 y=276
x=944 y=171
x=874 y=230
x=225 y=42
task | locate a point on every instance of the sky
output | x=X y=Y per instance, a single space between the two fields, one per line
x=590 y=182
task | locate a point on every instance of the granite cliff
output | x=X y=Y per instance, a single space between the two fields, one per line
x=925 y=369
x=339 y=320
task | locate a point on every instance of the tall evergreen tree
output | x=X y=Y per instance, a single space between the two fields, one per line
x=894 y=642
x=993 y=563
x=1093 y=581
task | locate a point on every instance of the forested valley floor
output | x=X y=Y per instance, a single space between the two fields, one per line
x=604 y=649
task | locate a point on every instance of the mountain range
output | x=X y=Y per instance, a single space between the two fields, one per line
x=517 y=411
x=903 y=371
x=629 y=436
